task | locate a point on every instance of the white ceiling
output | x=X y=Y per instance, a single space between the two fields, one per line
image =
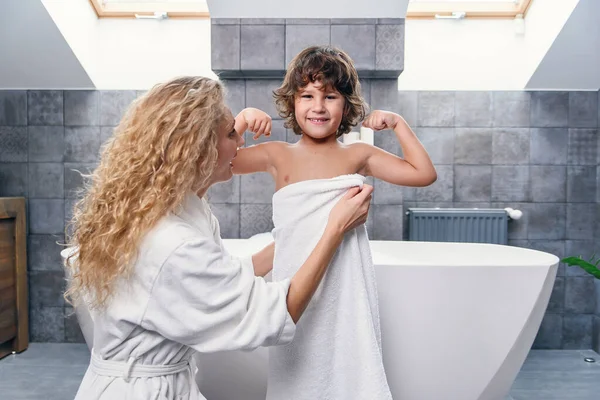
x=573 y=60
x=34 y=54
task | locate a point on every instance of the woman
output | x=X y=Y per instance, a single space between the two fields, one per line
x=150 y=264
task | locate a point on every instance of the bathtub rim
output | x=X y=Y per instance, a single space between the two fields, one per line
x=536 y=259
x=381 y=259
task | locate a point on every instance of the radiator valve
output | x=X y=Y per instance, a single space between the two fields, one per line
x=513 y=214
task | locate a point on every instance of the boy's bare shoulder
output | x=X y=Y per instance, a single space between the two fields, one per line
x=276 y=151
x=361 y=148
x=278 y=144
x=275 y=146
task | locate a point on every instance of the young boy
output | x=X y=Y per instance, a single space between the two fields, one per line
x=336 y=353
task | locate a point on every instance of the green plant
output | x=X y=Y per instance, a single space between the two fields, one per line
x=591 y=267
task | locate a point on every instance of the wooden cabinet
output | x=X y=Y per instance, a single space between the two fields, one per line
x=14 y=316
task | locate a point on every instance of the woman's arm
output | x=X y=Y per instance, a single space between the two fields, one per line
x=350 y=212
x=263 y=260
x=210 y=301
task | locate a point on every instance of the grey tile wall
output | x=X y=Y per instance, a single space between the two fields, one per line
x=45 y=135
x=376 y=46
x=535 y=151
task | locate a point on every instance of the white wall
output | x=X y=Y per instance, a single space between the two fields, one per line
x=480 y=54
x=573 y=61
x=440 y=54
x=33 y=53
x=130 y=53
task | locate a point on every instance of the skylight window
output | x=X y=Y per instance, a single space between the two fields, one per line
x=467 y=8
x=417 y=9
x=151 y=8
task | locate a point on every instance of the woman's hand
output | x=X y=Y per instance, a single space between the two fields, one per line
x=348 y=213
x=258 y=122
x=352 y=210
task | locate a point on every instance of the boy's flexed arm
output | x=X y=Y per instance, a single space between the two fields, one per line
x=254 y=158
x=415 y=169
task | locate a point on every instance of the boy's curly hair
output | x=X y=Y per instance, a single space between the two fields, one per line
x=334 y=69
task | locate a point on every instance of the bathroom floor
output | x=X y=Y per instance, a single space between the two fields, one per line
x=53 y=371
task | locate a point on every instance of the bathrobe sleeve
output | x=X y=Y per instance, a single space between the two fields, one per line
x=216 y=229
x=210 y=301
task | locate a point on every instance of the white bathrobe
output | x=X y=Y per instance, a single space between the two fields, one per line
x=186 y=294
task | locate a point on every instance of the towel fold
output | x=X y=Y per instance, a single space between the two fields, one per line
x=336 y=353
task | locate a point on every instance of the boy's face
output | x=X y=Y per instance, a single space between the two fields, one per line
x=318 y=110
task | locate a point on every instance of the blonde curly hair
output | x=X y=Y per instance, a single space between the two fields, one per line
x=164 y=147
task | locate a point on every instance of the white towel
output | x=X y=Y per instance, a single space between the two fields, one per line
x=336 y=353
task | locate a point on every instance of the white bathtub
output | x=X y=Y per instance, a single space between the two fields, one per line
x=457 y=321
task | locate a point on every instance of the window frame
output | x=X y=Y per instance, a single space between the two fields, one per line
x=428 y=10
x=148 y=9
x=478 y=9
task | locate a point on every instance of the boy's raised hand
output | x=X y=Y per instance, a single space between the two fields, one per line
x=258 y=122
x=379 y=120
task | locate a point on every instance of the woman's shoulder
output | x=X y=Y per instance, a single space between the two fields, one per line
x=169 y=234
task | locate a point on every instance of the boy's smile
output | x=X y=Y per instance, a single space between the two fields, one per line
x=318 y=121
x=319 y=110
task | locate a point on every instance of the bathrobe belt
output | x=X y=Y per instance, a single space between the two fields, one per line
x=131 y=368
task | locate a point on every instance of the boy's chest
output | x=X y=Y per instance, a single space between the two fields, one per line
x=298 y=166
